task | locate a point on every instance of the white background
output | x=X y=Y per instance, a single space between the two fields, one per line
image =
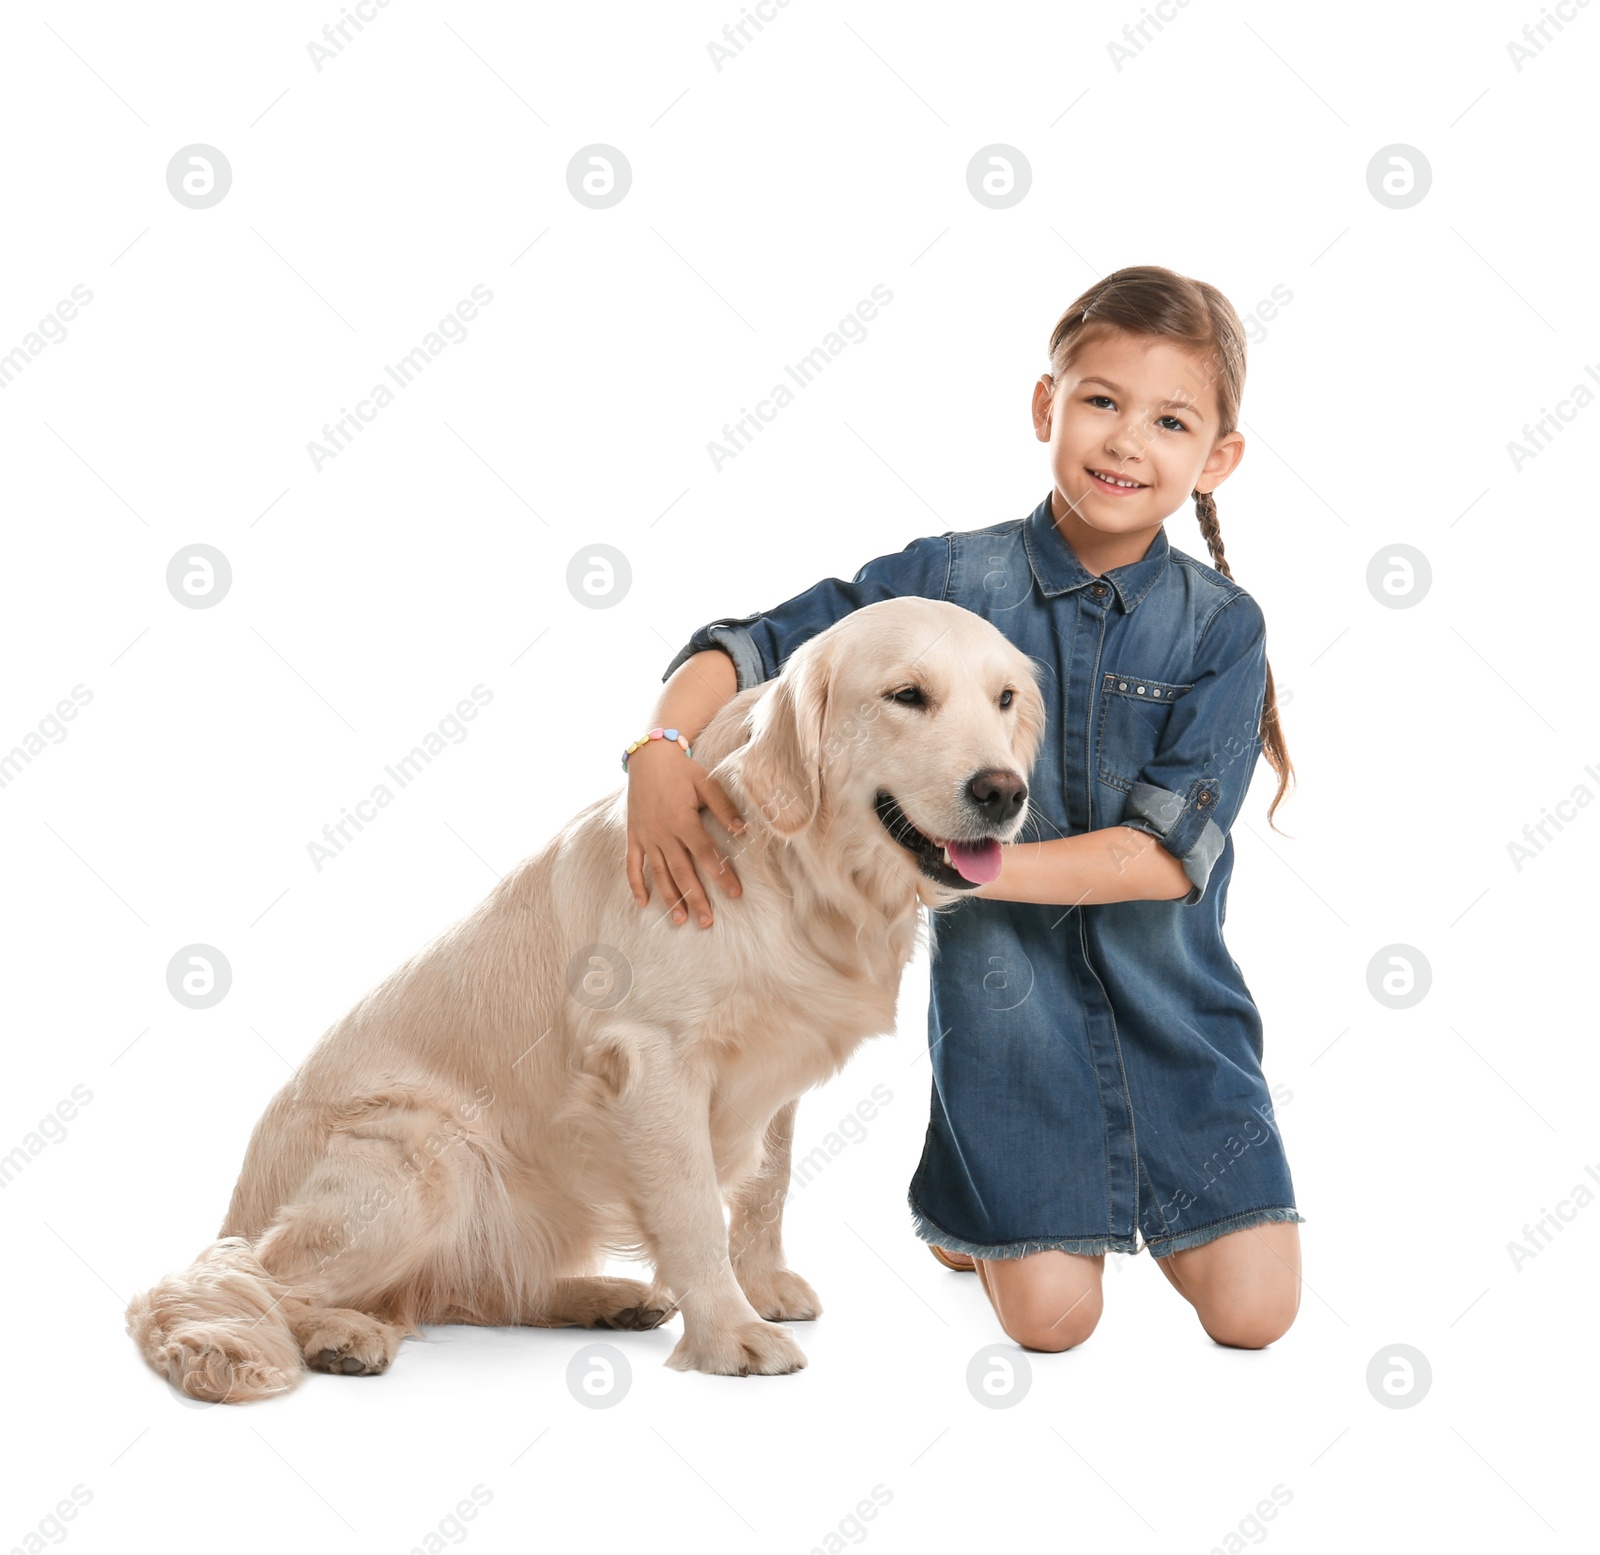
x=768 y=198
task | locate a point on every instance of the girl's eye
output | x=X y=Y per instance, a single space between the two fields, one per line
x=910 y=697
x=1177 y=426
x=1005 y=698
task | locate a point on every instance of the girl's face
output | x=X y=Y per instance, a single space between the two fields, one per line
x=1137 y=409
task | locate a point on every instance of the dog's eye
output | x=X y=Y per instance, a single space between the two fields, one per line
x=1005 y=697
x=910 y=697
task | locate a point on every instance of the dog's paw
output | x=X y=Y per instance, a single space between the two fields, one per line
x=610 y=1301
x=780 y=1295
x=644 y=1315
x=345 y=1343
x=745 y=1350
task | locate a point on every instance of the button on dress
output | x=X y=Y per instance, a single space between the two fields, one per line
x=1097 y=1082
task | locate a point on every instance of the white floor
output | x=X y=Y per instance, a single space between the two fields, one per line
x=1147 y=1438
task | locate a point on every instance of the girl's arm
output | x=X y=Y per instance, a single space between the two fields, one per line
x=667 y=790
x=1184 y=800
x=1115 y=864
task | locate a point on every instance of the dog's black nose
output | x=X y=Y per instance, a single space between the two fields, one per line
x=999 y=795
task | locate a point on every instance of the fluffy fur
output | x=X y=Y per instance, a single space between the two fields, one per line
x=564 y=1076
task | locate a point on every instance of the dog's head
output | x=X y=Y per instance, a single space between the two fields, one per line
x=908 y=728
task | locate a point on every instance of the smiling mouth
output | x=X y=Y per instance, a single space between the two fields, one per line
x=1105 y=481
x=960 y=865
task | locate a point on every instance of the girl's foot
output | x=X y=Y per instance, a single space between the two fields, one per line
x=952 y=1260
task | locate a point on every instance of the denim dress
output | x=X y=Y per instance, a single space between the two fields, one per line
x=1097 y=1081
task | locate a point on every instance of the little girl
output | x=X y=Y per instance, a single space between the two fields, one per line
x=1096 y=1054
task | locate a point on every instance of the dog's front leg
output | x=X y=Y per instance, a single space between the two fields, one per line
x=755 y=1230
x=664 y=1103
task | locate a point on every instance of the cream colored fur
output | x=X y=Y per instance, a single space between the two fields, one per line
x=472 y=1139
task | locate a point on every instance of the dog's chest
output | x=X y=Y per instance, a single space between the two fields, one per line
x=791 y=991
x=791 y=1036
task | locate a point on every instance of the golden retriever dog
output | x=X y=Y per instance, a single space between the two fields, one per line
x=564 y=1075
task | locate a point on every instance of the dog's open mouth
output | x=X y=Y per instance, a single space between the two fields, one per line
x=961 y=864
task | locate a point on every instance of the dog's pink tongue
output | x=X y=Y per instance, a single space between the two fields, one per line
x=977 y=862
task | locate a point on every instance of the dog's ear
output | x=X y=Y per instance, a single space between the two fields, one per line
x=1030 y=721
x=781 y=769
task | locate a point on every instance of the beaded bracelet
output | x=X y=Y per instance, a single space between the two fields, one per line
x=655 y=734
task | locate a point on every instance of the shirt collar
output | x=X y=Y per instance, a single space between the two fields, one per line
x=1058 y=570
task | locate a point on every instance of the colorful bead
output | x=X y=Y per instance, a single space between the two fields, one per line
x=656 y=734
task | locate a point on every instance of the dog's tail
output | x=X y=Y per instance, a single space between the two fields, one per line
x=218 y=1330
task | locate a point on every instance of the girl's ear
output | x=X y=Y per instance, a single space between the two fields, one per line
x=781 y=766
x=1043 y=395
x=1222 y=461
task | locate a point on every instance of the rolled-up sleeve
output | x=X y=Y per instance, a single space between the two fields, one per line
x=1188 y=796
x=759 y=645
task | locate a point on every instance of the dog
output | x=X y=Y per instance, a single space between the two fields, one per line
x=564 y=1076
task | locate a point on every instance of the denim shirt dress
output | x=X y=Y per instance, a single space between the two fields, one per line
x=1096 y=1069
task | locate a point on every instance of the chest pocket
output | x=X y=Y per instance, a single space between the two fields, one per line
x=1134 y=711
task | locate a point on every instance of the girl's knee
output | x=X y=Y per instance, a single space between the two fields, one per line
x=1046 y=1301
x=1251 y=1325
x=1042 y=1324
x=1054 y=1337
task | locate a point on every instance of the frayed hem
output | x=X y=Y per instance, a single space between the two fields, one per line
x=1165 y=1246
x=993 y=1251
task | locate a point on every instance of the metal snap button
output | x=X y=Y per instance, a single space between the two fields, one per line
x=1100 y=590
x=1122 y=685
x=1205 y=796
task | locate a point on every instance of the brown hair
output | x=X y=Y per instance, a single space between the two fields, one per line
x=1151 y=300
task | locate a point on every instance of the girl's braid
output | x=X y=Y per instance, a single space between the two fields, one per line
x=1205 y=508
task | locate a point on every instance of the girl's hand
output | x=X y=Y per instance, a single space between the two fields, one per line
x=666 y=792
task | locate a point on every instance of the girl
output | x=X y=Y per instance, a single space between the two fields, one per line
x=1096 y=1054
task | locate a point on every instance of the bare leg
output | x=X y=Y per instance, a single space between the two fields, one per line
x=1244 y=1285
x=1047 y=1301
